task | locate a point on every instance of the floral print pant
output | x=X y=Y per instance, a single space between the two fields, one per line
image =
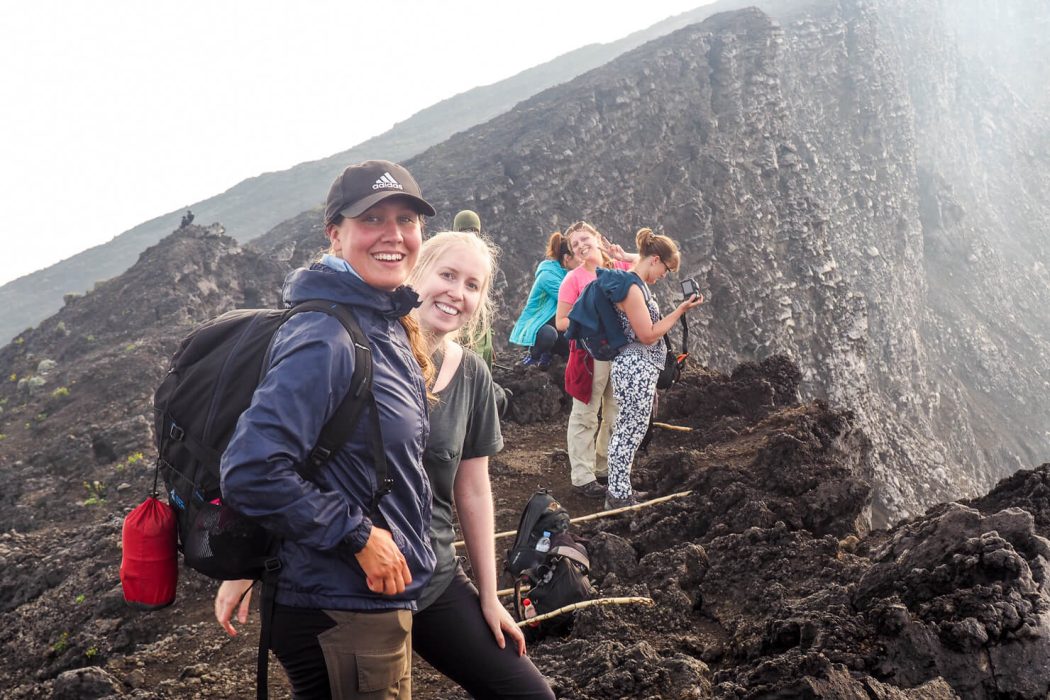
x=634 y=387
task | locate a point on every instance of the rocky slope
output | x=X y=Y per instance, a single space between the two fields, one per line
x=850 y=187
x=766 y=576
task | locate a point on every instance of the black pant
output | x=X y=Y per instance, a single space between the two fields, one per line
x=453 y=637
x=549 y=339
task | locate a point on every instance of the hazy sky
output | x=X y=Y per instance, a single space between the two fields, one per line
x=116 y=112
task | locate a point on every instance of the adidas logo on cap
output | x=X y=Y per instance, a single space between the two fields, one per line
x=387 y=181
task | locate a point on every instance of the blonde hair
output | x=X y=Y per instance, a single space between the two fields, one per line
x=662 y=247
x=440 y=243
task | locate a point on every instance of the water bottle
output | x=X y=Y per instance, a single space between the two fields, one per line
x=544 y=544
x=530 y=611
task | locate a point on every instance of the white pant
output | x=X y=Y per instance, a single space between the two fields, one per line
x=588 y=443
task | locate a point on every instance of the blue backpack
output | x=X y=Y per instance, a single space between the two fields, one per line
x=593 y=321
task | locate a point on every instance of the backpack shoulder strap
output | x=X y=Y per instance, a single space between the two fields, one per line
x=341 y=425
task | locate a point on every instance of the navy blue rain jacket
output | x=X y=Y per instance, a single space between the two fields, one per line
x=594 y=312
x=323 y=524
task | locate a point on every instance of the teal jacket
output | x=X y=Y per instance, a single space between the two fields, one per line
x=542 y=303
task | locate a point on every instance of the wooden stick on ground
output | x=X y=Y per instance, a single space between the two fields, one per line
x=595 y=516
x=668 y=426
x=635 y=600
x=617 y=511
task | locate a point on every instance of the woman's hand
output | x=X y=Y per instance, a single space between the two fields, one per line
x=233 y=594
x=695 y=300
x=385 y=566
x=501 y=623
x=616 y=251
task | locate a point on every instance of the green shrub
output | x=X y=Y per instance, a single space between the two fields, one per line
x=61 y=644
x=96 y=493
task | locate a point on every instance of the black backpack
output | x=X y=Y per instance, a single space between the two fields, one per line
x=545 y=581
x=210 y=382
x=542 y=514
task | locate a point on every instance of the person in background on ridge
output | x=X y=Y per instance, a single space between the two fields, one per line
x=637 y=366
x=535 y=326
x=467 y=220
x=587 y=379
x=481 y=341
x=351 y=569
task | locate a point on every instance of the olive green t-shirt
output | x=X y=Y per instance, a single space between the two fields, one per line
x=463 y=425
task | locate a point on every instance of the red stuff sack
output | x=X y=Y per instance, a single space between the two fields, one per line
x=149 y=569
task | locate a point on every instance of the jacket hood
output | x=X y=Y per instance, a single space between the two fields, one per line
x=322 y=282
x=551 y=266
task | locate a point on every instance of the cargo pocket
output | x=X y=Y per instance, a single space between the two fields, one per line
x=380 y=670
x=368 y=654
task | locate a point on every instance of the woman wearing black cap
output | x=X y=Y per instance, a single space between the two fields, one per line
x=351 y=571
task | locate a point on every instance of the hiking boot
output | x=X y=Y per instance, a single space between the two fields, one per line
x=592 y=489
x=636 y=497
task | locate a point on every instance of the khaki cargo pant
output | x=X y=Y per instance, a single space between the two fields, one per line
x=369 y=655
x=588 y=443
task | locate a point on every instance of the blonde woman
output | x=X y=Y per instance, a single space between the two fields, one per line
x=461 y=629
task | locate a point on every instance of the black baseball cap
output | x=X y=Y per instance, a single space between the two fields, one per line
x=365 y=184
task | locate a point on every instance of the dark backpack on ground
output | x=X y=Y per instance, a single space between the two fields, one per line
x=545 y=581
x=542 y=514
x=210 y=382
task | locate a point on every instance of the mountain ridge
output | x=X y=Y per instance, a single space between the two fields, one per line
x=253 y=206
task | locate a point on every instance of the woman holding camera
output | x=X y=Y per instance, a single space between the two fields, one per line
x=636 y=368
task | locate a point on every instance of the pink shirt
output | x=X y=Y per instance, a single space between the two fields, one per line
x=572 y=286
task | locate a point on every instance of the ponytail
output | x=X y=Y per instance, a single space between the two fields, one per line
x=662 y=247
x=418 y=343
x=557 y=247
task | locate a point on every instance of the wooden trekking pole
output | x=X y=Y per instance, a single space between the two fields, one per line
x=631 y=600
x=595 y=516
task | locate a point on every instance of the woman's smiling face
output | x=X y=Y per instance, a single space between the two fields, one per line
x=381 y=244
x=451 y=291
x=585 y=246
